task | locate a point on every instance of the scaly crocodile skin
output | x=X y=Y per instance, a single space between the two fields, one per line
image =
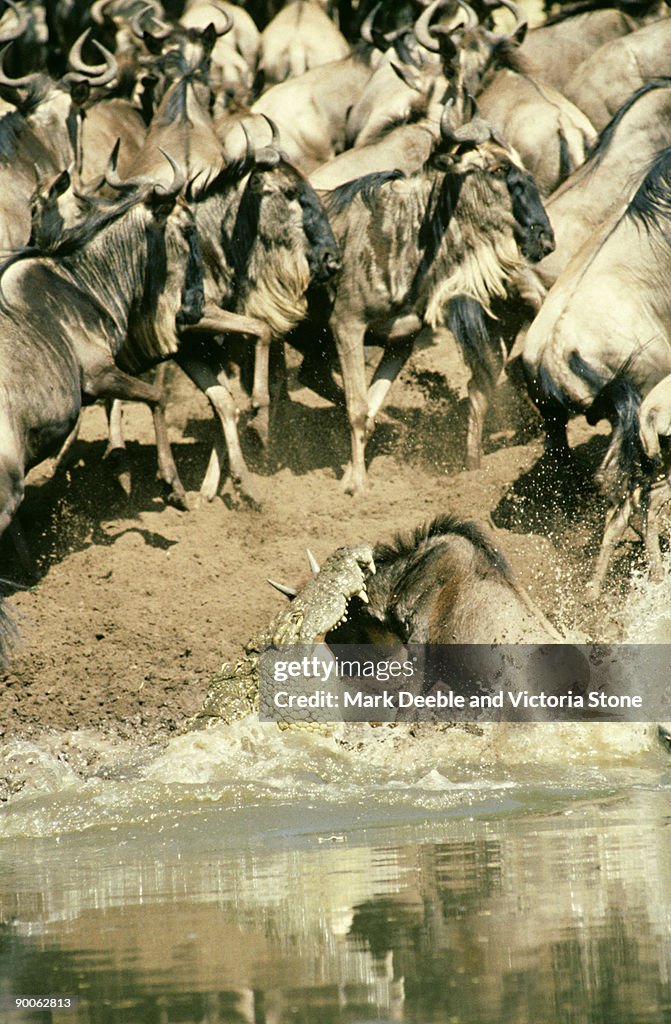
x=319 y=607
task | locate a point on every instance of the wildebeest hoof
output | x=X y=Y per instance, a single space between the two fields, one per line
x=260 y=424
x=118 y=461
x=244 y=494
x=350 y=483
x=176 y=497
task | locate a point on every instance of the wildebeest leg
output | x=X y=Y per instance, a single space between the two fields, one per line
x=617 y=521
x=478 y=337
x=110 y=382
x=62 y=460
x=116 y=445
x=392 y=362
x=220 y=321
x=658 y=496
x=215 y=387
x=349 y=340
x=478 y=403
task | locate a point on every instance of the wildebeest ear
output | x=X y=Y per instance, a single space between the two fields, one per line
x=208 y=38
x=60 y=184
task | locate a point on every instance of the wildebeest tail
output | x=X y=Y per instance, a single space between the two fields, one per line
x=619 y=401
x=477 y=336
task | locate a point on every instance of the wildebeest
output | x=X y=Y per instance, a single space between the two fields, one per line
x=235 y=55
x=402 y=147
x=64 y=317
x=605 y=80
x=556 y=49
x=550 y=134
x=446 y=582
x=41 y=137
x=605 y=182
x=600 y=341
x=300 y=36
x=265 y=237
x=434 y=248
x=311 y=109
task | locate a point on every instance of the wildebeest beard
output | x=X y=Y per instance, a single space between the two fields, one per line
x=271 y=271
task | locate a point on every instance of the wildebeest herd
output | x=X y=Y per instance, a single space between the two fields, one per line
x=178 y=177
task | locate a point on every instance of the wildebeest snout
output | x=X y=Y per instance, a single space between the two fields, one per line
x=538 y=241
x=331 y=263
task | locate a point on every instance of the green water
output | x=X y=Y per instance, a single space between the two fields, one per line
x=323 y=891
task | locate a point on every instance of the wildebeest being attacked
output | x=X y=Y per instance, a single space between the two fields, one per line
x=433 y=248
x=446 y=582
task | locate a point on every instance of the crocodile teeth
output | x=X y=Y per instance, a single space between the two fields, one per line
x=363 y=595
x=312 y=562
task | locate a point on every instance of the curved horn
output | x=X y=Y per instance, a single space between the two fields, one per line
x=475 y=131
x=97 y=12
x=21 y=23
x=521 y=20
x=111 y=176
x=275 y=141
x=178 y=177
x=312 y=562
x=157 y=34
x=249 y=154
x=15 y=83
x=366 y=29
x=229 y=20
x=422 y=30
x=283 y=589
x=473 y=20
x=96 y=74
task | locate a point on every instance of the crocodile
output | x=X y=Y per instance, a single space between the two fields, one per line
x=319 y=607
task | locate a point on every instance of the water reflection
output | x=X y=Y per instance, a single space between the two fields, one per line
x=561 y=917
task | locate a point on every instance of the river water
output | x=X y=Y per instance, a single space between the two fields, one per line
x=246 y=874
x=253 y=875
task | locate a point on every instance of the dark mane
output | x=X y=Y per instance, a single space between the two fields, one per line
x=28 y=97
x=651 y=205
x=12 y=124
x=414 y=545
x=74 y=238
x=367 y=186
x=606 y=136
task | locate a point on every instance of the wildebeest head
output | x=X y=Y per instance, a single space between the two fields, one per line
x=277 y=178
x=474 y=143
x=274 y=236
x=290 y=239
x=533 y=230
